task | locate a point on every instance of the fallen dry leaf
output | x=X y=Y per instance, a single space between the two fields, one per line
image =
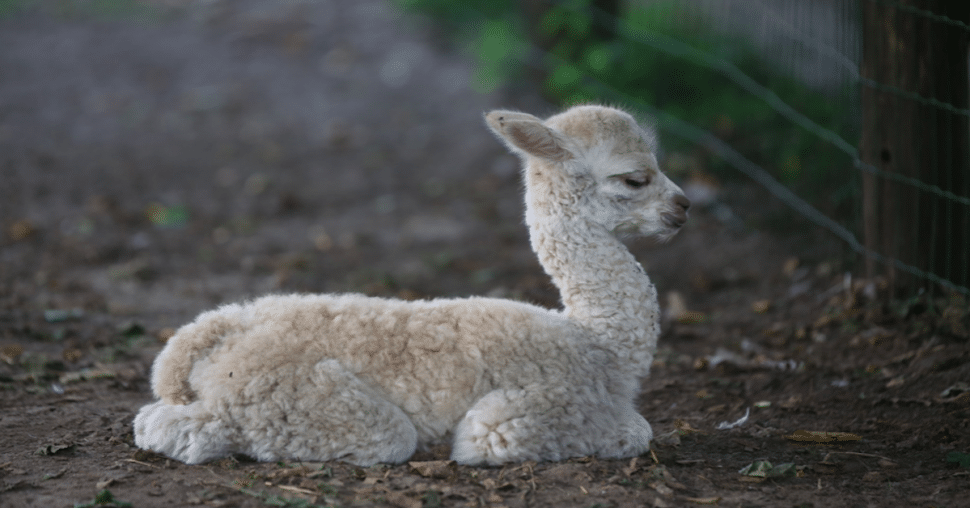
x=11 y=352
x=434 y=468
x=761 y=306
x=670 y=480
x=703 y=500
x=401 y=500
x=20 y=230
x=817 y=436
x=164 y=334
x=684 y=428
x=676 y=306
x=691 y=317
x=55 y=448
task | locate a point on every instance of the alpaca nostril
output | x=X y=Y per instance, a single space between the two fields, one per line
x=682 y=201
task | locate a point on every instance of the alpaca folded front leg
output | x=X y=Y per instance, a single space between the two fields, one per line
x=632 y=438
x=518 y=425
x=492 y=431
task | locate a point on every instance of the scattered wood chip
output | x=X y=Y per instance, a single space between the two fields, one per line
x=662 y=489
x=955 y=390
x=703 y=500
x=689 y=462
x=887 y=464
x=676 y=306
x=817 y=436
x=297 y=490
x=632 y=467
x=105 y=483
x=671 y=438
x=140 y=463
x=737 y=423
x=57 y=474
x=87 y=374
x=670 y=480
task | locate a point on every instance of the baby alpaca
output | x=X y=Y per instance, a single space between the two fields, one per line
x=367 y=380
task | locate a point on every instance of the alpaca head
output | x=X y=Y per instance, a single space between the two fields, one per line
x=597 y=163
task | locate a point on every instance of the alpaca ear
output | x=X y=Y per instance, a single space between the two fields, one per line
x=526 y=134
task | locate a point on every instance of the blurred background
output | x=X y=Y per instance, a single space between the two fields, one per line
x=851 y=116
x=171 y=155
x=853 y=113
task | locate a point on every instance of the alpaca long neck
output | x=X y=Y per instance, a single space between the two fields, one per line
x=602 y=285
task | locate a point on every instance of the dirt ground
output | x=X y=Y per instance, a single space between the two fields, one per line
x=211 y=152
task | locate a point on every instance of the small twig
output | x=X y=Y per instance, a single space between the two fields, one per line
x=141 y=463
x=864 y=455
x=297 y=490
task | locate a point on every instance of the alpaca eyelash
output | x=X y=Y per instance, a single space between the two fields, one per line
x=633 y=183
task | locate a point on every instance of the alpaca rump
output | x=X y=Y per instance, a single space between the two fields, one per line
x=368 y=380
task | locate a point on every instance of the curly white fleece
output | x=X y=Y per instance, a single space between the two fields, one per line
x=367 y=380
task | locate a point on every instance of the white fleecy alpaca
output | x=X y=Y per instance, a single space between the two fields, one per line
x=368 y=380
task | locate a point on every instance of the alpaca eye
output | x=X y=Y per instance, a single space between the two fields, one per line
x=633 y=183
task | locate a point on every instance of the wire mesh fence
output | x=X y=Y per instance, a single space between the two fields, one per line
x=855 y=112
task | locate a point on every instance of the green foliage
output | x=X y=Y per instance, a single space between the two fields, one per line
x=8 y=7
x=431 y=499
x=106 y=499
x=959 y=458
x=499 y=42
x=658 y=53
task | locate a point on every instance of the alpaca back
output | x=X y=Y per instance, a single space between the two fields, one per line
x=431 y=358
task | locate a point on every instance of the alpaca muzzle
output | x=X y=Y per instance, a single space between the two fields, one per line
x=676 y=216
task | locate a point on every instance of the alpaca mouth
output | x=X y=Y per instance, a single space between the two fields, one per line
x=674 y=221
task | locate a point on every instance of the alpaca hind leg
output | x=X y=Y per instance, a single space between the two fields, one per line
x=329 y=414
x=188 y=433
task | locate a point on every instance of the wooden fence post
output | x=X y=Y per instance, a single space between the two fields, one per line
x=916 y=54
